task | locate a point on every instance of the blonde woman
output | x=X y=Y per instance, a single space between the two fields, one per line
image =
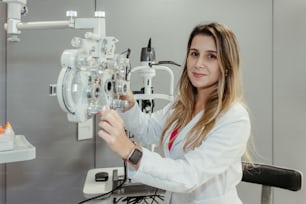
x=204 y=132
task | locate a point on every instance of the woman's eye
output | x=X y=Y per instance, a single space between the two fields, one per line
x=211 y=56
x=194 y=54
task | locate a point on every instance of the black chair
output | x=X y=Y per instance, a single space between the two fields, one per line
x=271 y=176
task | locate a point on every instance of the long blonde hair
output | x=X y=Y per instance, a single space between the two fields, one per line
x=229 y=87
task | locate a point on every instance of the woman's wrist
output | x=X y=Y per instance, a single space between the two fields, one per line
x=127 y=150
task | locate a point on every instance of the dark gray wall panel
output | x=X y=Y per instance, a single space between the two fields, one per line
x=58 y=173
x=2 y=91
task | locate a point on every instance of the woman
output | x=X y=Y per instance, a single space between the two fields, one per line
x=204 y=132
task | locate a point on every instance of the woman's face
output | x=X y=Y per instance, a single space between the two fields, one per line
x=202 y=63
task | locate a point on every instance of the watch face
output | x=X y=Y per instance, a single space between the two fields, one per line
x=135 y=156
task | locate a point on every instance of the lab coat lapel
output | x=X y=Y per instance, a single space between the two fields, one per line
x=177 y=147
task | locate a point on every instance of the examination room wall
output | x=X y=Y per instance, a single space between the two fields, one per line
x=271 y=74
x=58 y=172
x=2 y=89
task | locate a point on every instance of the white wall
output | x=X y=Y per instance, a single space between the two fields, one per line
x=289 y=71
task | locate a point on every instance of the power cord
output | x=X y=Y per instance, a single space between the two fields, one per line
x=140 y=199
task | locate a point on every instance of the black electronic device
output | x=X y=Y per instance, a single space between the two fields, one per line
x=101 y=177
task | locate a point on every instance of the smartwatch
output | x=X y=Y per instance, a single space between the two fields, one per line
x=135 y=155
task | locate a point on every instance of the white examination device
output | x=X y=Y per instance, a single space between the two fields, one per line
x=92 y=73
x=147 y=71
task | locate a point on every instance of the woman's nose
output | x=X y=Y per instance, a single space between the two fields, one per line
x=200 y=63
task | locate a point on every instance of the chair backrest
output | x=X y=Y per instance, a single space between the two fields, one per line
x=273 y=176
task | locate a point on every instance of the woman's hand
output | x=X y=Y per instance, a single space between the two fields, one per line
x=113 y=133
x=129 y=97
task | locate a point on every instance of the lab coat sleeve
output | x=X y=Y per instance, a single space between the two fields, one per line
x=147 y=127
x=223 y=146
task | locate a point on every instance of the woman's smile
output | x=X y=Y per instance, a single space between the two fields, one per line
x=198 y=75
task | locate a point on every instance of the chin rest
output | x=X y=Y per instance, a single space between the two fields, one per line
x=271 y=176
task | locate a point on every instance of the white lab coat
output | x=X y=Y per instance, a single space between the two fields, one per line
x=206 y=175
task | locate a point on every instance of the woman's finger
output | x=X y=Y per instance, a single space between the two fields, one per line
x=105 y=126
x=106 y=137
x=112 y=117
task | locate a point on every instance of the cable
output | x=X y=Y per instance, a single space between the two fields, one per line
x=127 y=52
x=154 y=196
x=115 y=201
x=110 y=192
x=141 y=199
x=128 y=68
